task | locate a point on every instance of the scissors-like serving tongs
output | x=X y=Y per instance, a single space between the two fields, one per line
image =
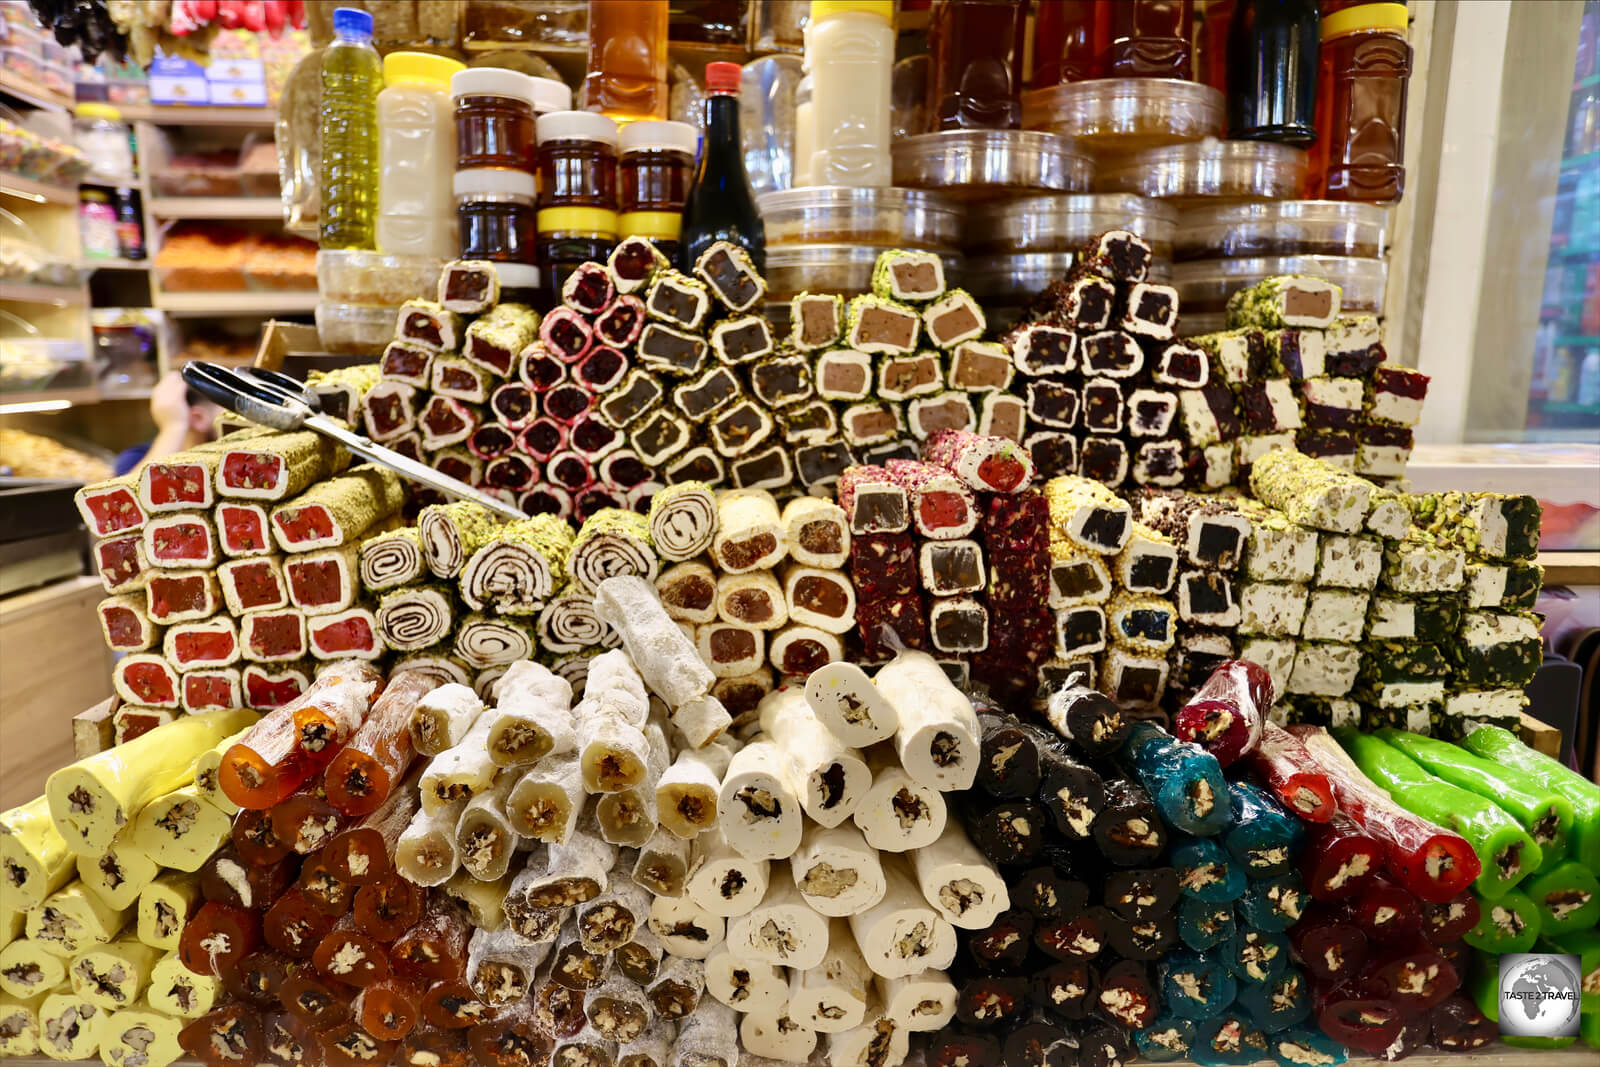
x=272 y=399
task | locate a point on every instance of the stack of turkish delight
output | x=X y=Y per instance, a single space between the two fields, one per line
x=907 y=360
x=1292 y=373
x=230 y=567
x=1105 y=375
x=945 y=548
x=1111 y=579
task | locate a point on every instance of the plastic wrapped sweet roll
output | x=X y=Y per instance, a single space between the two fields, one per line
x=1206 y=872
x=1504 y=749
x=1185 y=780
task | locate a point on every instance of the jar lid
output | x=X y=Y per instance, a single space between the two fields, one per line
x=660 y=137
x=550 y=95
x=591 y=220
x=1393 y=17
x=493 y=181
x=517 y=275
x=821 y=9
x=97 y=111
x=419 y=67
x=491 y=81
x=577 y=126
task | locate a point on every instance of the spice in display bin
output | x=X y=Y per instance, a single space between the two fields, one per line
x=1271 y=71
x=721 y=204
x=495 y=214
x=352 y=77
x=1362 y=76
x=850 y=48
x=415 y=155
x=976 y=48
x=627 y=76
x=653 y=179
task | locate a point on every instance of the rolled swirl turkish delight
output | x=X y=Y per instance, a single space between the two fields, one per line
x=518 y=566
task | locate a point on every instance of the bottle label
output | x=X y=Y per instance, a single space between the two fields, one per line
x=659 y=225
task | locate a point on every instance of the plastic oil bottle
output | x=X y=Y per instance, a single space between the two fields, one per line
x=417 y=156
x=850 y=56
x=352 y=76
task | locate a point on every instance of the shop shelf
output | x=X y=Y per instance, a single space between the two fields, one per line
x=178 y=115
x=32 y=93
x=38 y=192
x=216 y=207
x=241 y=302
x=55 y=295
x=116 y=264
x=1564 y=407
x=88 y=394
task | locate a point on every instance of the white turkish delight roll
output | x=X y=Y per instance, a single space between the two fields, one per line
x=665 y=658
x=816 y=532
x=937 y=739
x=960 y=884
x=721 y=881
x=782 y=930
x=754 y=600
x=707 y=1038
x=824 y=599
x=774 y=1035
x=426 y=853
x=548 y=798
x=663 y=864
x=534 y=716
x=702 y=720
x=442 y=718
x=762 y=817
x=462 y=771
x=612 y=752
x=745 y=985
x=832 y=997
x=732 y=649
x=749 y=531
x=848 y=703
x=837 y=871
x=685 y=929
x=688 y=590
x=686 y=794
x=831 y=777
x=902 y=935
x=1324 y=668
x=878 y=1042
x=920 y=1002
x=898 y=813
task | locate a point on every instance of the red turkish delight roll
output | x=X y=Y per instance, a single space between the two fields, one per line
x=243 y=529
x=272 y=686
x=539 y=369
x=130 y=721
x=461 y=464
x=513 y=405
x=111 y=507
x=146 y=679
x=601 y=369
x=121 y=562
x=1225 y=716
x=321 y=583
x=567 y=403
x=512 y=473
x=276 y=466
x=1285 y=765
x=542 y=438
x=985 y=464
x=900 y=615
x=252 y=584
x=942 y=508
x=447 y=421
x=179 y=483
x=621 y=323
x=180 y=540
x=273 y=636
x=566 y=334
x=389 y=410
x=883 y=565
x=546 y=500
x=212 y=689
x=181 y=596
x=492 y=439
x=588 y=289
x=338 y=511
x=593 y=438
x=351 y=634
x=212 y=642
x=569 y=470
x=126 y=626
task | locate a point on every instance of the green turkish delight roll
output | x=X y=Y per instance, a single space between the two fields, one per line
x=1311 y=491
x=337 y=511
x=908 y=275
x=1420 y=564
x=1285 y=300
x=1494 y=525
x=1497 y=649
x=521 y=567
x=1239 y=356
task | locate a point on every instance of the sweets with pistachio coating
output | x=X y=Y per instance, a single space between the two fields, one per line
x=1311 y=492
x=337 y=511
x=1499 y=526
x=1285 y=300
x=519 y=567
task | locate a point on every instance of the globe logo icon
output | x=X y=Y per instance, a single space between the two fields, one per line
x=1539 y=995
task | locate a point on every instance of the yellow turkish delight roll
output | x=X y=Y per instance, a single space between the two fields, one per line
x=93 y=799
x=181 y=829
x=10 y=923
x=69 y=1027
x=27 y=970
x=205 y=773
x=111 y=976
x=72 y=919
x=118 y=874
x=165 y=906
x=34 y=859
x=139 y=1037
x=19 y=1026
x=178 y=991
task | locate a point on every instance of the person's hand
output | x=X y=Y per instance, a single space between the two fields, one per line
x=169 y=405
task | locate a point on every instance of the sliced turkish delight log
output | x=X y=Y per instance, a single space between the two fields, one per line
x=125 y=625
x=406 y=362
x=874 y=501
x=741 y=339
x=146 y=679
x=740 y=429
x=1151 y=412
x=430 y=324
x=273 y=636
x=953 y=319
x=571 y=472
x=352 y=633
x=665 y=350
x=1111 y=355
x=386 y=560
x=339 y=392
x=389 y=410
x=599 y=372
x=336 y=512
x=121 y=563
x=1053 y=453
x=267 y=688
x=699 y=464
x=539 y=369
x=1039 y=349
x=906 y=376
x=1160 y=463
x=518 y=566
x=130 y=721
x=816 y=320
x=637 y=393
x=707 y=394
x=677 y=299
x=782 y=381
x=937 y=736
x=1128 y=829
x=321 y=583
x=1383 y=451
x=112 y=507
x=824 y=599
x=620 y=324
x=927 y=415
x=731 y=276
x=763 y=815
x=183 y=482
x=210 y=643
x=941 y=507
x=1150 y=310
x=876 y=325
x=567 y=403
x=446 y=421
x=908 y=275
x=1395 y=396
x=212 y=689
x=862 y=424
x=1285 y=300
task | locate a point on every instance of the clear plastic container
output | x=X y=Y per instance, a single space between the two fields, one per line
x=980 y=164
x=100 y=132
x=832 y=268
x=372 y=279
x=1110 y=115
x=1005 y=283
x=348 y=330
x=1062 y=223
x=30 y=360
x=875 y=215
x=1209 y=169
x=1281 y=228
x=1204 y=285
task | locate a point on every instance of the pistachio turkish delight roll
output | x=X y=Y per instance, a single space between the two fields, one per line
x=337 y=511
x=1421 y=564
x=1312 y=492
x=277 y=466
x=450 y=533
x=339 y=392
x=392 y=559
x=415 y=617
x=1285 y=300
x=519 y=567
x=731 y=276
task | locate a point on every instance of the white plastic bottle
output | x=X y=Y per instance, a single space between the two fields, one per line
x=416 y=156
x=850 y=57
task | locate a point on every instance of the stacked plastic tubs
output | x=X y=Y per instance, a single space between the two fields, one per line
x=361 y=293
x=826 y=238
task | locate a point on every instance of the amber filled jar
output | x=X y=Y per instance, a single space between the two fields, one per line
x=577 y=161
x=977 y=48
x=1145 y=38
x=568 y=237
x=1363 y=73
x=495 y=215
x=494 y=119
x=654 y=175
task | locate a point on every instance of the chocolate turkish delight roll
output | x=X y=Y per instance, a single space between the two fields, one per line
x=1104 y=459
x=822 y=464
x=1160 y=463
x=428 y=324
x=699 y=464
x=869 y=424
x=881 y=326
x=1150 y=310
x=980 y=367
x=1111 y=354
x=512 y=474
x=1037 y=348
x=1207 y=598
x=539 y=368
x=683 y=520
x=659 y=436
x=844 y=374
x=409 y=363
x=1148 y=563
x=770 y=468
x=927 y=415
x=908 y=275
x=677 y=299
x=954 y=318
x=670 y=351
x=569 y=624
x=741 y=427
x=513 y=406
x=1119 y=255
x=638 y=392
x=517 y=568
x=469 y=286
x=1055 y=403
x=903 y=377
x=731 y=276
x=495 y=341
x=742 y=339
x=782 y=381
x=1151 y=412
x=611 y=542
x=878 y=455
x=1179 y=364
x=951 y=567
x=633 y=263
x=816 y=320
x=1285 y=300
x=601 y=369
x=958 y=624
x=1080 y=631
x=1053 y=452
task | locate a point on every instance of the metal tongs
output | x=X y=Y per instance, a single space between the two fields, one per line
x=269 y=398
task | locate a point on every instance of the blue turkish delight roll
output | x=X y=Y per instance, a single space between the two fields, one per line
x=1264 y=838
x=1183 y=779
x=1206 y=871
x=1273 y=904
x=1280 y=1003
x=1203 y=925
x=1196 y=985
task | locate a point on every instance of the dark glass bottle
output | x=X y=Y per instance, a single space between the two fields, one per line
x=977 y=49
x=721 y=205
x=130 y=227
x=1272 y=71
